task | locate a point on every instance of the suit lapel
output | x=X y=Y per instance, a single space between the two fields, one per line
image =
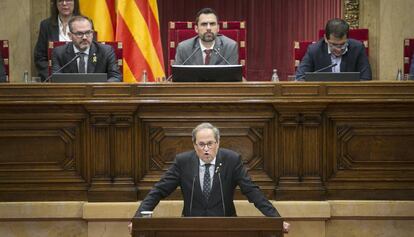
x=215 y=194
x=92 y=59
x=344 y=62
x=54 y=32
x=326 y=59
x=217 y=48
x=195 y=166
x=70 y=52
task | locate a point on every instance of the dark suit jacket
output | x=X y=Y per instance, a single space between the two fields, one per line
x=101 y=60
x=412 y=66
x=227 y=47
x=48 y=32
x=2 y=70
x=317 y=57
x=185 y=173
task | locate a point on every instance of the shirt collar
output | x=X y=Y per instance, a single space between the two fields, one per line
x=204 y=48
x=334 y=56
x=77 y=50
x=213 y=162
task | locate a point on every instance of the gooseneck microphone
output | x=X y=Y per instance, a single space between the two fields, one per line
x=221 y=56
x=191 y=55
x=63 y=67
x=221 y=188
x=192 y=194
x=319 y=70
x=186 y=60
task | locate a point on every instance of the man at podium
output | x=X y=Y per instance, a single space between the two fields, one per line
x=208 y=177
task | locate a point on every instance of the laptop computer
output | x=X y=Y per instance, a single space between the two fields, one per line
x=332 y=76
x=78 y=77
x=206 y=73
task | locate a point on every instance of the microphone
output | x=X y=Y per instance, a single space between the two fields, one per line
x=63 y=67
x=221 y=188
x=221 y=56
x=188 y=58
x=319 y=70
x=192 y=194
x=327 y=67
x=191 y=55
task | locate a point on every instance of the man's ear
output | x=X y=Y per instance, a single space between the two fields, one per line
x=196 y=28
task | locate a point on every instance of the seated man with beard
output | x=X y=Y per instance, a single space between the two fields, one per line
x=206 y=47
x=93 y=57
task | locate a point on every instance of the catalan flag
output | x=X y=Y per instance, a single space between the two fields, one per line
x=136 y=24
x=138 y=29
x=103 y=15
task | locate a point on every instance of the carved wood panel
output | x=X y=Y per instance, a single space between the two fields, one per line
x=42 y=154
x=371 y=150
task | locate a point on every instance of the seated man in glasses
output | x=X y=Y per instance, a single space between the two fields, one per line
x=208 y=177
x=335 y=48
x=93 y=57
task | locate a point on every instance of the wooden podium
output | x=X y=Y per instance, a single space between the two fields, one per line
x=207 y=227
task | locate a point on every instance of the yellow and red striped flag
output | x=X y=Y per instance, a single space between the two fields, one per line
x=103 y=15
x=138 y=29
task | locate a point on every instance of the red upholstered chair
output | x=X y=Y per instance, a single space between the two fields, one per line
x=408 y=55
x=300 y=48
x=182 y=30
x=358 y=34
x=116 y=45
x=4 y=49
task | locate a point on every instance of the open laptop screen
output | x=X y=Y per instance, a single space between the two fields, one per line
x=206 y=73
x=79 y=77
x=332 y=76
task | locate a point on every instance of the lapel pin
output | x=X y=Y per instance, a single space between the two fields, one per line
x=94 y=58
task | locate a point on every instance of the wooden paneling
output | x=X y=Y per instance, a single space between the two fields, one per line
x=299 y=141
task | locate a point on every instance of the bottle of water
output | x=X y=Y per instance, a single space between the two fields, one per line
x=399 y=75
x=26 y=77
x=275 y=77
x=144 y=77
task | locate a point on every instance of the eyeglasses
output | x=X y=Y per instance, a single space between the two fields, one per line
x=61 y=2
x=338 y=46
x=202 y=145
x=79 y=34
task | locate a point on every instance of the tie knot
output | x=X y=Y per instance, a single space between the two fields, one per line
x=208 y=51
x=207 y=166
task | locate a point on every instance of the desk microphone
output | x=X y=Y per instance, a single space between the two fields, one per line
x=188 y=58
x=192 y=194
x=221 y=188
x=221 y=56
x=63 y=67
x=191 y=55
x=319 y=70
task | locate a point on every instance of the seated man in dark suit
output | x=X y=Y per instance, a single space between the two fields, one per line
x=207 y=47
x=335 y=47
x=411 y=75
x=94 y=57
x=208 y=177
x=3 y=76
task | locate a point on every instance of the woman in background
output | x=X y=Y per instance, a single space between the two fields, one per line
x=54 y=28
